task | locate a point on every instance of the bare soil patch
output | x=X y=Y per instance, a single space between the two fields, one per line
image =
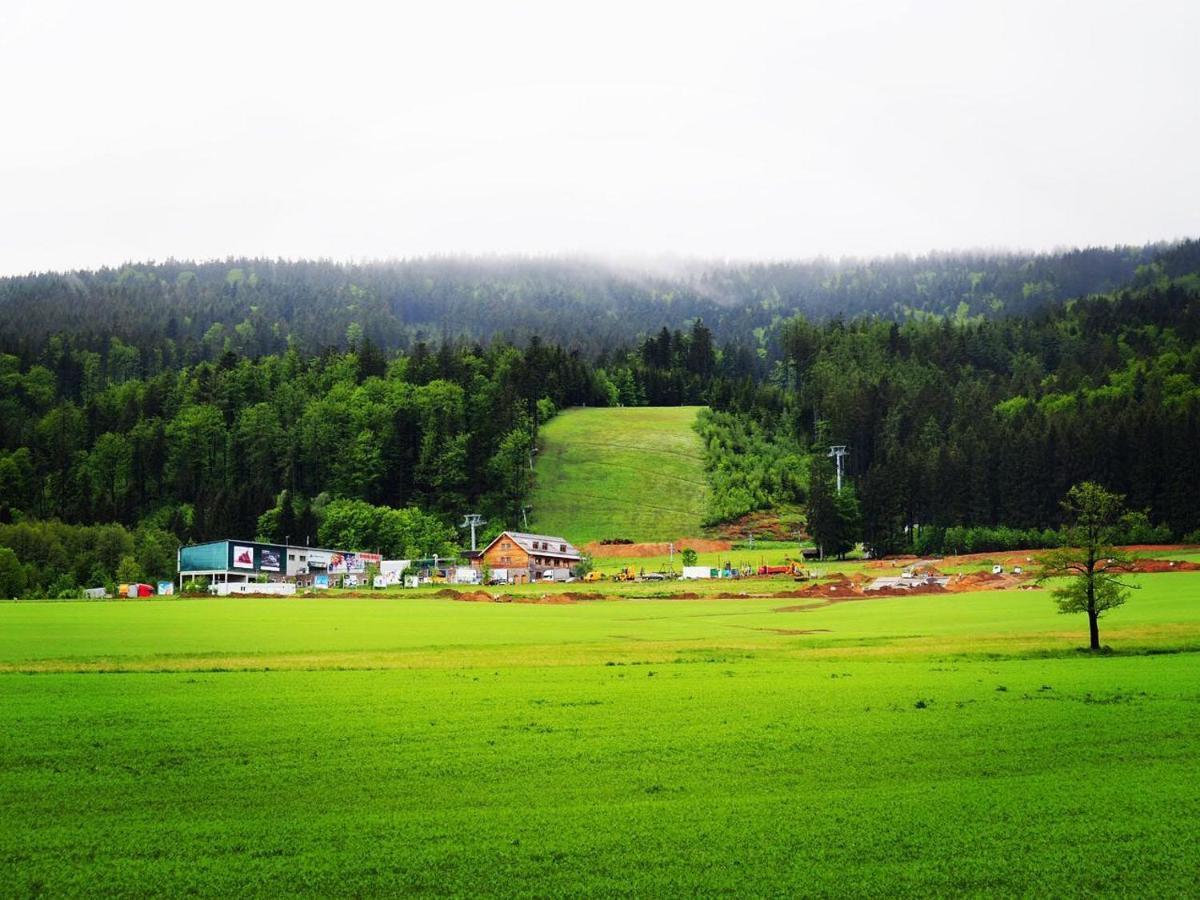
x=597 y=550
x=1010 y=558
x=771 y=525
x=984 y=581
x=795 y=630
x=1165 y=565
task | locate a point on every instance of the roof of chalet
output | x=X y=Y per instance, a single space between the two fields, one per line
x=544 y=544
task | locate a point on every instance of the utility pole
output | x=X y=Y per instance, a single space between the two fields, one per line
x=838 y=452
x=524 y=515
x=472 y=521
x=532 y=451
x=671 y=550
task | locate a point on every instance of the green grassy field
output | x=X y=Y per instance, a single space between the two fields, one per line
x=634 y=473
x=930 y=744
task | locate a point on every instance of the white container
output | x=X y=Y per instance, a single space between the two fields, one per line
x=233 y=588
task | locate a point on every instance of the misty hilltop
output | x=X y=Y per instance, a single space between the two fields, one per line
x=258 y=306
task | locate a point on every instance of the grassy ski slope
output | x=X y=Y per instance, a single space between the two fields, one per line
x=634 y=472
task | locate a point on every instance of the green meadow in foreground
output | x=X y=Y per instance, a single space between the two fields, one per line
x=932 y=744
x=629 y=472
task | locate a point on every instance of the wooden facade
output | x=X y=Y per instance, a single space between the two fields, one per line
x=505 y=553
x=531 y=552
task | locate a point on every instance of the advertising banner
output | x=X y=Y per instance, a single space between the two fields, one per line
x=243 y=557
x=346 y=562
x=318 y=560
x=321 y=582
x=381 y=581
x=269 y=560
x=166 y=588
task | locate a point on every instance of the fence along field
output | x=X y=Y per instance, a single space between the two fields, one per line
x=629 y=472
x=941 y=743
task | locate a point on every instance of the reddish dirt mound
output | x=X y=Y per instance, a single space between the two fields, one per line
x=546 y=599
x=975 y=581
x=985 y=581
x=470 y=596
x=843 y=587
x=1165 y=565
x=907 y=592
x=701 y=545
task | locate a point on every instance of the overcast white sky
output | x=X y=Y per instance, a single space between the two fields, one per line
x=138 y=131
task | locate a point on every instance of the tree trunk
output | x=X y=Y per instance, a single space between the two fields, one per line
x=1093 y=615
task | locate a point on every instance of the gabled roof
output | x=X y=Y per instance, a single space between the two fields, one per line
x=542 y=544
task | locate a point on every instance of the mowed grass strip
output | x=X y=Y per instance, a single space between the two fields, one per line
x=923 y=745
x=426 y=631
x=635 y=472
x=726 y=774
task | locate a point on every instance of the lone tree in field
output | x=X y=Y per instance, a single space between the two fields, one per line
x=1088 y=557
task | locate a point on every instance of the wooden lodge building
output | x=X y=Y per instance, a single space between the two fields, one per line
x=519 y=557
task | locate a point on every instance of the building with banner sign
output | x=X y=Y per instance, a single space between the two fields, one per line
x=235 y=562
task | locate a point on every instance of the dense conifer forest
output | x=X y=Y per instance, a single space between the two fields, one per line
x=190 y=312
x=155 y=404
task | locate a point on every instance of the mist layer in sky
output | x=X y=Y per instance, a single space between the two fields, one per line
x=138 y=131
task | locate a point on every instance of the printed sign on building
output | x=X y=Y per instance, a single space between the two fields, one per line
x=269 y=560
x=346 y=562
x=243 y=557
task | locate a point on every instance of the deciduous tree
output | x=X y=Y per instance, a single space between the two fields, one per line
x=1088 y=559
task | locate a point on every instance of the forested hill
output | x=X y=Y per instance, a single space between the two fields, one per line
x=195 y=311
x=951 y=421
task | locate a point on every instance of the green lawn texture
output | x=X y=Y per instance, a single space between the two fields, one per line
x=933 y=744
x=629 y=472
